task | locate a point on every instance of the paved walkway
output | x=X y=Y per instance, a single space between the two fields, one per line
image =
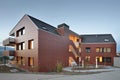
x=108 y=68
x=113 y=75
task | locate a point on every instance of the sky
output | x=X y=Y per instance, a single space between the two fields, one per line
x=83 y=16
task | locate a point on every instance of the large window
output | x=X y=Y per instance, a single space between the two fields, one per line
x=20 y=32
x=103 y=50
x=99 y=58
x=106 y=59
x=108 y=50
x=88 y=49
x=20 y=60
x=20 y=46
x=31 y=44
x=30 y=61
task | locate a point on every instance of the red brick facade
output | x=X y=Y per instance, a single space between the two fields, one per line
x=40 y=49
x=94 y=54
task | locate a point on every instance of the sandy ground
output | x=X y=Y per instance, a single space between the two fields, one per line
x=113 y=75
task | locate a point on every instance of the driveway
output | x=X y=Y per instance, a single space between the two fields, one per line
x=113 y=75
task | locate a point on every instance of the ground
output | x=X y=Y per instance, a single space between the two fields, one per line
x=112 y=75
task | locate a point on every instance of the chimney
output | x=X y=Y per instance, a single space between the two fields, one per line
x=61 y=29
x=63 y=25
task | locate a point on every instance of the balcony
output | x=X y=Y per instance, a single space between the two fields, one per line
x=9 y=53
x=9 y=42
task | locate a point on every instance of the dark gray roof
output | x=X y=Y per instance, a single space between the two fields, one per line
x=42 y=25
x=97 y=38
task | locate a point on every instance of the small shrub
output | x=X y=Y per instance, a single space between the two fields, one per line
x=59 y=67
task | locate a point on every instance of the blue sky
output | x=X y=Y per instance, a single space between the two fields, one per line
x=83 y=16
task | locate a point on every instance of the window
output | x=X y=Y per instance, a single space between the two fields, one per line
x=18 y=59
x=100 y=50
x=31 y=44
x=87 y=58
x=20 y=46
x=17 y=33
x=44 y=28
x=99 y=59
x=20 y=32
x=30 y=61
x=103 y=50
x=107 y=59
x=97 y=49
x=23 y=45
x=87 y=49
x=108 y=50
x=22 y=61
x=106 y=40
x=23 y=31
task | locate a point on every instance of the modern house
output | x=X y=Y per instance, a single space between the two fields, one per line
x=40 y=46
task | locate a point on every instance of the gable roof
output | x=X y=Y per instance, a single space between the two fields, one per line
x=42 y=25
x=97 y=38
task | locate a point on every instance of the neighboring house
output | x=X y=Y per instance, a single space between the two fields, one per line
x=40 y=46
x=98 y=46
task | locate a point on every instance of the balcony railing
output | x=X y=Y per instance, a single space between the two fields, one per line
x=9 y=53
x=9 y=42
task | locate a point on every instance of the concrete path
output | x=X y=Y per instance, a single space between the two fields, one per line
x=108 y=68
x=113 y=75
